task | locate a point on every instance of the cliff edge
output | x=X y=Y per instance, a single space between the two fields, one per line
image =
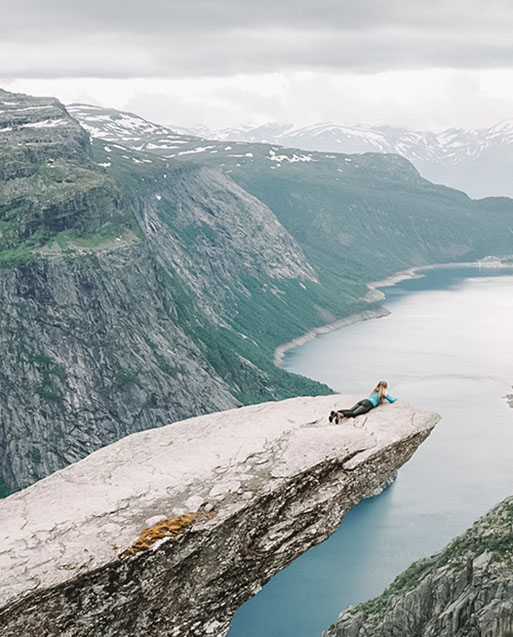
x=169 y=531
x=465 y=590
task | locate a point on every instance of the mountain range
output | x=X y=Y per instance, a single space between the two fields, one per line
x=478 y=161
x=147 y=276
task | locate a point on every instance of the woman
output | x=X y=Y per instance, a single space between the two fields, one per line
x=378 y=395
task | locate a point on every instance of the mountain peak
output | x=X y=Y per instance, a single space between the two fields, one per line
x=35 y=129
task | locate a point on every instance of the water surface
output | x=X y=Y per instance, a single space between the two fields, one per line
x=447 y=347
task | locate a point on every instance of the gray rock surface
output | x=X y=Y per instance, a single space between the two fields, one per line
x=264 y=483
x=110 y=342
x=91 y=351
x=464 y=591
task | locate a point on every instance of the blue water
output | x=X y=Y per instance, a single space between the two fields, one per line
x=446 y=347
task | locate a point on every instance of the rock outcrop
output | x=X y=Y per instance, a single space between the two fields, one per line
x=464 y=591
x=35 y=129
x=168 y=531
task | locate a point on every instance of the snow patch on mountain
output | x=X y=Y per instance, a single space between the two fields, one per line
x=477 y=161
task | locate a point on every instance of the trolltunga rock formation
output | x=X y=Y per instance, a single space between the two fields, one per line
x=169 y=530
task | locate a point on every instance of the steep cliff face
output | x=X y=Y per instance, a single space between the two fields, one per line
x=129 y=297
x=168 y=531
x=370 y=214
x=466 y=590
x=216 y=236
x=92 y=350
x=126 y=335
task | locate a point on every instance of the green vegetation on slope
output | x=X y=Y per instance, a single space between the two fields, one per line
x=374 y=215
x=60 y=206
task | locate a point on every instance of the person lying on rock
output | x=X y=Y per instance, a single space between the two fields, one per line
x=378 y=395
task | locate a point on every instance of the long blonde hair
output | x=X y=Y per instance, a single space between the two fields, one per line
x=381 y=388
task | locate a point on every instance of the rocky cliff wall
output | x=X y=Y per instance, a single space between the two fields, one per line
x=102 y=340
x=168 y=531
x=92 y=350
x=464 y=591
x=129 y=297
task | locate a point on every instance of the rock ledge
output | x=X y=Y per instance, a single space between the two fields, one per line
x=278 y=477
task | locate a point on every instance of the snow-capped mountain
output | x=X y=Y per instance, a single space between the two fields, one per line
x=253 y=133
x=112 y=125
x=130 y=132
x=478 y=161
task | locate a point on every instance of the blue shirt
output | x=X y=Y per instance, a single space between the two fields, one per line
x=374 y=398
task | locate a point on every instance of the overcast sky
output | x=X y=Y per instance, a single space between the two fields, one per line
x=427 y=64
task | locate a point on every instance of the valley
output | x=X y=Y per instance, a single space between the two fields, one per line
x=149 y=276
x=142 y=283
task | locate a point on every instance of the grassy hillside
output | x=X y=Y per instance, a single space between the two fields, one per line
x=357 y=217
x=362 y=216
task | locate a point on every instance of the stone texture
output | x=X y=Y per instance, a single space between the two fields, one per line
x=464 y=591
x=278 y=477
x=91 y=351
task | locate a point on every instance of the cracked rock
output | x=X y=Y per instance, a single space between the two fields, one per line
x=64 y=539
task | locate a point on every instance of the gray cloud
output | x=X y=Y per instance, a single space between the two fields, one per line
x=171 y=38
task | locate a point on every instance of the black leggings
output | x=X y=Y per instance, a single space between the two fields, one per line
x=361 y=407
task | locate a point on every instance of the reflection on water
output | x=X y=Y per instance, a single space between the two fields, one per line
x=446 y=347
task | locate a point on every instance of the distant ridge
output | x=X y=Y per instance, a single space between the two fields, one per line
x=478 y=161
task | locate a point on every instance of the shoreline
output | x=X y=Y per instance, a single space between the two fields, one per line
x=366 y=315
x=375 y=294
